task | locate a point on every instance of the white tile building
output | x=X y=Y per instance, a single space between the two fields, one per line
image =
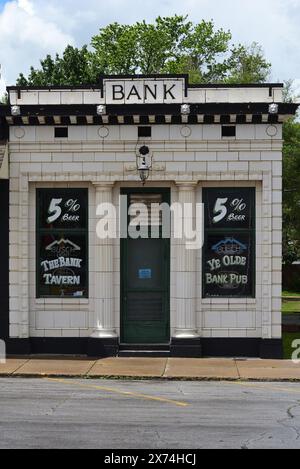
x=228 y=138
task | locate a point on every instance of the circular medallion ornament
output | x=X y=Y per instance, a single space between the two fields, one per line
x=103 y=132
x=186 y=131
x=272 y=130
x=19 y=132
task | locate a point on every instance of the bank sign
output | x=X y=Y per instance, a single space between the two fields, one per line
x=144 y=91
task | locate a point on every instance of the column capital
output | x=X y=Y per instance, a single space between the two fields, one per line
x=103 y=186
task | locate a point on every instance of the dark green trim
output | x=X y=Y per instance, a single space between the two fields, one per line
x=166 y=192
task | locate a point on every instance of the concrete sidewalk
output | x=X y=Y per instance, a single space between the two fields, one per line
x=153 y=368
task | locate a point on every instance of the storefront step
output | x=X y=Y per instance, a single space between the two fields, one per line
x=165 y=347
x=144 y=353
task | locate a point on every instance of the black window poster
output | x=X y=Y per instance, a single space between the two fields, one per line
x=229 y=251
x=62 y=251
x=229 y=208
x=62 y=209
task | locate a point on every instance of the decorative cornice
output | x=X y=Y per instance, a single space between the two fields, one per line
x=146 y=114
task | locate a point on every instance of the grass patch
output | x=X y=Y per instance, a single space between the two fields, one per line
x=290 y=307
x=290 y=293
x=288 y=338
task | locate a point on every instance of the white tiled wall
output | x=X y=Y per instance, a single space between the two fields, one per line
x=39 y=160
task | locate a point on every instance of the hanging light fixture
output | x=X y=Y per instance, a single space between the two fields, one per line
x=144 y=163
x=144 y=171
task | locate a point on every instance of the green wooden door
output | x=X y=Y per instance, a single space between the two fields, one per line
x=145 y=286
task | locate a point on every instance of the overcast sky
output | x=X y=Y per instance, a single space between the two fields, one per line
x=29 y=29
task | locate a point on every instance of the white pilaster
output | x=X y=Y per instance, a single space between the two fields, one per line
x=186 y=273
x=104 y=326
x=267 y=246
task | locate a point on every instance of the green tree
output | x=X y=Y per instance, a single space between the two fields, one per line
x=73 y=68
x=202 y=54
x=115 y=49
x=168 y=45
x=161 y=42
x=291 y=192
x=248 y=65
x=4 y=99
x=291 y=182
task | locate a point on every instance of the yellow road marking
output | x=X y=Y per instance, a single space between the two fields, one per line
x=263 y=386
x=122 y=393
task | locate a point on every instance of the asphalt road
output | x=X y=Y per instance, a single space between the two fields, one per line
x=44 y=413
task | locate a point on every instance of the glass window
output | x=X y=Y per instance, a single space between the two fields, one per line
x=229 y=250
x=152 y=208
x=62 y=243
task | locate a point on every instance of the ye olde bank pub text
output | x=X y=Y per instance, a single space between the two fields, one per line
x=76 y=161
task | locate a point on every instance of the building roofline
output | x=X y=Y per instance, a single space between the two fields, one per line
x=54 y=87
x=99 y=85
x=237 y=85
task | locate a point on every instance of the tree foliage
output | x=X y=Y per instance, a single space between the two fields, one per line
x=4 y=99
x=73 y=68
x=291 y=193
x=291 y=182
x=169 y=45
x=248 y=65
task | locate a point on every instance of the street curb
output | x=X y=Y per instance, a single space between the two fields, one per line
x=151 y=378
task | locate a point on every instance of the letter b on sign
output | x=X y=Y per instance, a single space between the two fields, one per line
x=118 y=93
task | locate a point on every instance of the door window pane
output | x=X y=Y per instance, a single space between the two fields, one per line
x=151 y=202
x=145 y=268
